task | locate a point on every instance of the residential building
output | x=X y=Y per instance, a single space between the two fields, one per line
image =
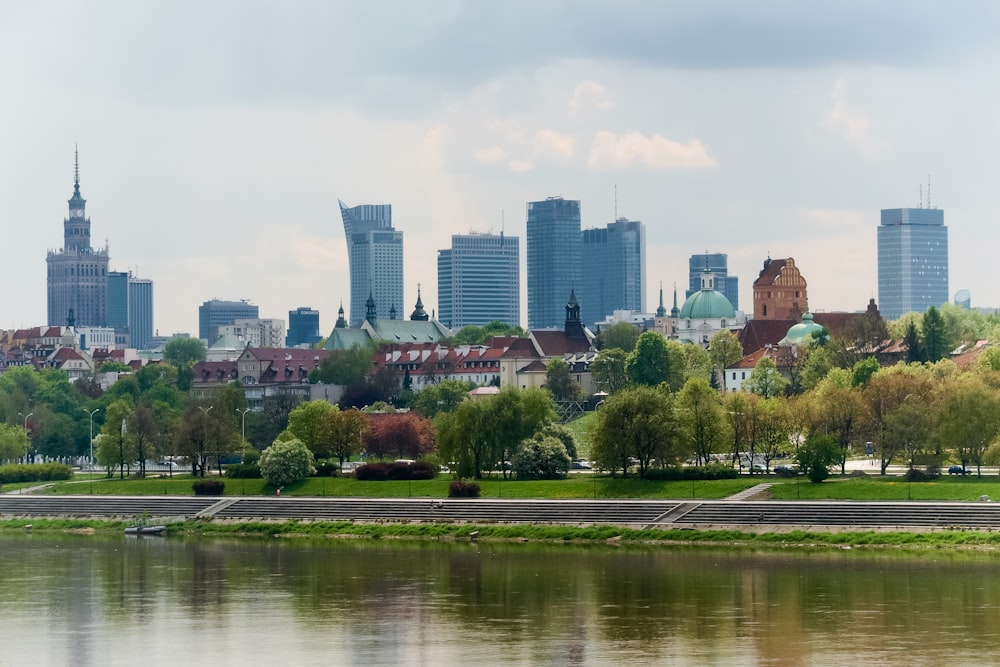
x=303 y=327
x=255 y=332
x=912 y=261
x=263 y=373
x=130 y=309
x=77 y=274
x=215 y=313
x=779 y=293
x=375 y=258
x=554 y=246
x=479 y=280
x=718 y=262
x=614 y=258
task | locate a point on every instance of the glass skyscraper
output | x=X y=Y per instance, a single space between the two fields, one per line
x=554 y=259
x=912 y=261
x=614 y=260
x=479 y=280
x=375 y=255
x=718 y=262
x=303 y=327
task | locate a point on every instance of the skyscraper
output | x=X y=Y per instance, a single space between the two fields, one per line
x=303 y=327
x=77 y=274
x=554 y=254
x=375 y=255
x=614 y=260
x=479 y=280
x=912 y=261
x=130 y=308
x=213 y=314
x=718 y=262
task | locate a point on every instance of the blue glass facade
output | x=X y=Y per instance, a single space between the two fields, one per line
x=375 y=255
x=718 y=262
x=615 y=277
x=554 y=247
x=912 y=261
x=479 y=280
x=303 y=327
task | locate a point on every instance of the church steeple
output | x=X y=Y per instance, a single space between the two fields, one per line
x=419 y=315
x=573 y=327
x=370 y=315
x=661 y=311
x=341 y=322
x=675 y=312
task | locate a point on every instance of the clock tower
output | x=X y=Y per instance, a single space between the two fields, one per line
x=76 y=227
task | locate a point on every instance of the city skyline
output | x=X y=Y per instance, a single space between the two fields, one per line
x=766 y=130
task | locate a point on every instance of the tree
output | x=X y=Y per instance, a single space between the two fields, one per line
x=863 y=371
x=562 y=434
x=444 y=396
x=887 y=392
x=621 y=335
x=765 y=380
x=608 y=370
x=649 y=363
x=347 y=430
x=697 y=363
x=840 y=413
x=911 y=340
x=725 y=350
x=744 y=421
x=401 y=434
x=636 y=423
x=559 y=380
x=541 y=457
x=13 y=442
x=701 y=419
x=145 y=435
x=345 y=367
x=272 y=419
x=476 y=335
x=815 y=457
x=774 y=429
x=935 y=345
x=184 y=352
x=286 y=462
x=116 y=428
x=307 y=422
x=969 y=419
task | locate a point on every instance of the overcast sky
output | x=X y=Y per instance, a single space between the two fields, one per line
x=216 y=137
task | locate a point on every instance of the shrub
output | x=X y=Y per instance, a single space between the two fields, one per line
x=423 y=469
x=243 y=471
x=398 y=471
x=208 y=487
x=372 y=472
x=35 y=472
x=543 y=458
x=917 y=475
x=699 y=473
x=857 y=473
x=461 y=488
x=327 y=468
x=286 y=462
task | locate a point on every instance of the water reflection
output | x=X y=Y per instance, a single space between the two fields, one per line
x=89 y=600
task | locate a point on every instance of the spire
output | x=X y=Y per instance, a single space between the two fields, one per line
x=573 y=327
x=675 y=311
x=341 y=322
x=419 y=314
x=370 y=314
x=661 y=311
x=76 y=167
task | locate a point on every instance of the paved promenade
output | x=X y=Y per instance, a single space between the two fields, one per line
x=705 y=514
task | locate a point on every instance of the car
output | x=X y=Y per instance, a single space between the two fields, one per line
x=580 y=464
x=785 y=470
x=958 y=470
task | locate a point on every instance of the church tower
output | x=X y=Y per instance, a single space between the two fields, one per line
x=77 y=273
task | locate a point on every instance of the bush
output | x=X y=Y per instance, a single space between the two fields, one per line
x=917 y=475
x=543 y=458
x=372 y=472
x=423 y=470
x=398 y=471
x=857 y=473
x=697 y=473
x=327 y=469
x=208 y=487
x=243 y=471
x=286 y=462
x=460 y=488
x=35 y=472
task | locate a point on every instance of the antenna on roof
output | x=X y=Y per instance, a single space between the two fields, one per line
x=616 y=203
x=929 y=191
x=921 y=195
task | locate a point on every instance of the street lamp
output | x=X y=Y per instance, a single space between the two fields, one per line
x=26 y=416
x=243 y=425
x=91 y=435
x=204 y=434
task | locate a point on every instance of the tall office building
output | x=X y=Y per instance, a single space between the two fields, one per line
x=718 y=262
x=215 y=313
x=479 y=280
x=375 y=255
x=303 y=327
x=614 y=260
x=130 y=309
x=912 y=261
x=554 y=254
x=77 y=274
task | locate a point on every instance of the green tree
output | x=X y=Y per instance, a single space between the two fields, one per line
x=697 y=363
x=935 y=345
x=911 y=339
x=345 y=367
x=701 y=419
x=969 y=419
x=541 y=457
x=815 y=457
x=816 y=366
x=286 y=462
x=476 y=335
x=621 y=335
x=309 y=424
x=184 y=352
x=444 y=396
x=863 y=371
x=841 y=414
x=608 y=370
x=562 y=434
x=346 y=430
x=765 y=380
x=636 y=423
x=649 y=363
x=725 y=350
x=13 y=442
x=559 y=380
x=774 y=430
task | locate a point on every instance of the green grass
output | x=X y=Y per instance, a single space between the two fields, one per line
x=887 y=488
x=576 y=486
x=580 y=428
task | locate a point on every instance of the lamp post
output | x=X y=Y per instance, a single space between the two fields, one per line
x=91 y=412
x=243 y=425
x=26 y=416
x=204 y=434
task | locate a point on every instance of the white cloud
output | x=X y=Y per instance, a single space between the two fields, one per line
x=551 y=143
x=849 y=123
x=520 y=165
x=490 y=155
x=589 y=94
x=610 y=151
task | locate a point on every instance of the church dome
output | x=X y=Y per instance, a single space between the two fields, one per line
x=798 y=332
x=707 y=304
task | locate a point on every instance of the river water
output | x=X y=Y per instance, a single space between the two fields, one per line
x=90 y=600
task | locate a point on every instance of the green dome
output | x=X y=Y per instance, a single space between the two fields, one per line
x=799 y=331
x=707 y=304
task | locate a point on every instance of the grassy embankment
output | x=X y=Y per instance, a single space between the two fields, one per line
x=887 y=488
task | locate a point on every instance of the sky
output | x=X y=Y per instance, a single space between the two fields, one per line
x=216 y=138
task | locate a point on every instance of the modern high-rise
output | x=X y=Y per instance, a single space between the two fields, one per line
x=614 y=260
x=554 y=246
x=303 y=327
x=130 y=308
x=77 y=273
x=718 y=262
x=912 y=261
x=375 y=255
x=479 y=280
x=215 y=313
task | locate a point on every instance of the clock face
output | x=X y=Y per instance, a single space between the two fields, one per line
x=77 y=213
